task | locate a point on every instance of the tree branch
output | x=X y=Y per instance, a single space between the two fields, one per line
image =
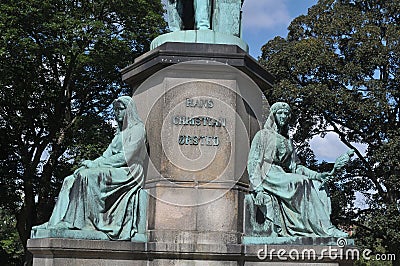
x=370 y=171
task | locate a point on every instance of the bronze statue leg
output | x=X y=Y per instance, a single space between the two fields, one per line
x=202 y=11
x=174 y=11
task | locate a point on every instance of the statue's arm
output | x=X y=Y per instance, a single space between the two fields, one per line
x=132 y=143
x=116 y=160
x=297 y=168
x=111 y=157
x=260 y=147
x=98 y=161
x=109 y=151
x=302 y=170
x=340 y=162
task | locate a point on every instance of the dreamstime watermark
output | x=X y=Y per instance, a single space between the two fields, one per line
x=338 y=252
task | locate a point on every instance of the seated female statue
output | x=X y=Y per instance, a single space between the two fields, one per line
x=290 y=196
x=103 y=194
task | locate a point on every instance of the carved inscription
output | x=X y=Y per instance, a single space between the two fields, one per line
x=200 y=103
x=198 y=121
x=199 y=140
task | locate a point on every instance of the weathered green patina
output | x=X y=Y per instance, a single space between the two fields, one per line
x=204 y=21
x=218 y=15
x=100 y=200
x=189 y=15
x=291 y=197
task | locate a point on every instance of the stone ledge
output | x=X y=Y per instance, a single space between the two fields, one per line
x=176 y=183
x=172 y=53
x=194 y=251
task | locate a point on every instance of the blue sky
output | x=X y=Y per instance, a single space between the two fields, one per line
x=265 y=19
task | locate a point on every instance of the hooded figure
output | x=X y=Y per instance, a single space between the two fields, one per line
x=103 y=194
x=288 y=194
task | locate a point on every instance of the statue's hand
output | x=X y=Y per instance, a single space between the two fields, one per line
x=261 y=199
x=341 y=161
x=323 y=177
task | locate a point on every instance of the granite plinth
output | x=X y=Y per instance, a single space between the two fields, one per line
x=199 y=119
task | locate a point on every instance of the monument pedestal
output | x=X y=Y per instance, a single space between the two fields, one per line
x=201 y=105
x=199 y=117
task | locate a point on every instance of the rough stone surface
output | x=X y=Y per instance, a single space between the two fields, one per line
x=197 y=189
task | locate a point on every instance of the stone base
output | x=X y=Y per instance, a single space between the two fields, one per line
x=68 y=252
x=199 y=36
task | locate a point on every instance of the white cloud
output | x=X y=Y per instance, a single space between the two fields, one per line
x=265 y=14
x=330 y=147
x=361 y=201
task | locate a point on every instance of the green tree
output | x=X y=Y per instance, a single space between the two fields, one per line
x=59 y=72
x=11 y=248
x=339 y=67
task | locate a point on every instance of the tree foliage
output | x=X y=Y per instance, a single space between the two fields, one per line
x=339 y=67
x=59 y=72
x=11 y=248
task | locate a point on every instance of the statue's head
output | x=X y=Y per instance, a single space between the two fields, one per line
x=126 y=112
x=281 y=112
x=119 y=110
x=278 y=118
x=278 y=106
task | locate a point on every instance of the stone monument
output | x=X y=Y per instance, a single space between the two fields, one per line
x=199 y=95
